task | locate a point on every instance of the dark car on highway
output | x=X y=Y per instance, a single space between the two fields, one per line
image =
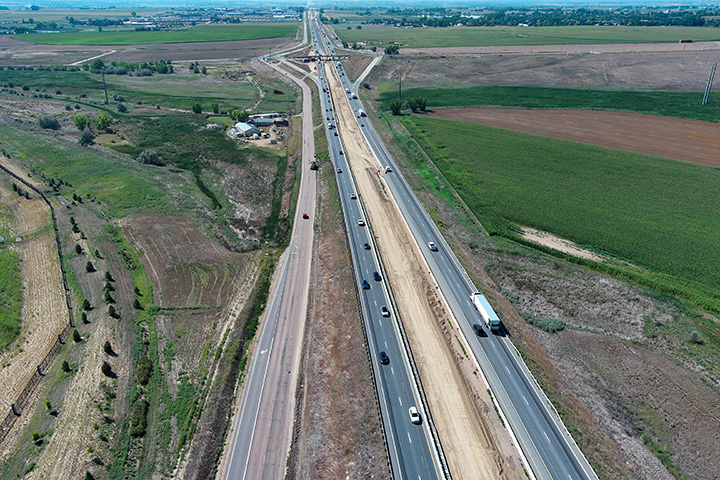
x=377 y=276
x=365 y=285
x=384 y=359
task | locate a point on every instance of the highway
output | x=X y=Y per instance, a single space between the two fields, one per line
x=412 y=451
x=545 y=444
x=260 y=433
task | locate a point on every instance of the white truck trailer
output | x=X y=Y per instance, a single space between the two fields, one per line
x=490 y=318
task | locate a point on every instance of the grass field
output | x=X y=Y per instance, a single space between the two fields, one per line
x=200 y=33
x=501 y=36
x=170 y=91
x=654 y=212
x=10 y=284
x=674 y=104
x=59 y=15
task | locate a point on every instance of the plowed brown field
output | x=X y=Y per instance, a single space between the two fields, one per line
x=677 y=138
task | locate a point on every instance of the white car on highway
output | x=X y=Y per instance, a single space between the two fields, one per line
x=414 y=416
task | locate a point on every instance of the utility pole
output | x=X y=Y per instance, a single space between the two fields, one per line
x=107 y=102
x=709 y=84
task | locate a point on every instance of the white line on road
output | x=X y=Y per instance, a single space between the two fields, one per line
x=526 y=402
x=400 y=399
x=409 y=439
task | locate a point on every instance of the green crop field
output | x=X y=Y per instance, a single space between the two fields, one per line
x=502 y=36
x=200 y=33
x=657 y=213
x=674 y=104
x=60 y=15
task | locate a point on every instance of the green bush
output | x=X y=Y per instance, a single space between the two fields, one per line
x=76 y=336
x=106 y=369
x=49 y=123
x=550 y=325
x=86 y=138
x=144 y=370
x=138 y=418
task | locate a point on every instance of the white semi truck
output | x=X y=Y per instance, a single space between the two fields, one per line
x=490 y=318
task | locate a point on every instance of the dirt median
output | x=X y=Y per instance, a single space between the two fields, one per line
x=681 y=139
x=459 y=404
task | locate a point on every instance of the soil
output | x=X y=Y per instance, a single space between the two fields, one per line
x=667 y=70
x=460 y=407
x=18 y=52
x=338 y=431
x=677 y=138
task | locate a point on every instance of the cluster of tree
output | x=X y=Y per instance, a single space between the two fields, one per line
x=392 y=50
x=149 y=157
x=49 y=123
x=415 y=104
x=20 y=191
x=47 y=68
x=544 y=17
x=145 y=69
x=196 y=68
x=84 y=123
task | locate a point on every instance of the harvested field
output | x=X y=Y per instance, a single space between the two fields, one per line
x=18 y=52
x=680 y=139
x=44 y=312
x=473 y=442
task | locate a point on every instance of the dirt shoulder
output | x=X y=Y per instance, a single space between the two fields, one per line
x=677 y=138
x=459 y=403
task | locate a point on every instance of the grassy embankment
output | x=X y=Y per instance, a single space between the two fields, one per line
x=10 y=285
x=200 y=33
x=672 y=104
x=650 y=211
x=505 y=36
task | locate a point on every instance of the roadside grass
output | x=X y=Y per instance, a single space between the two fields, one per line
x=651 y=211
x=200 y=33
x=505 y=36
x=673 y=104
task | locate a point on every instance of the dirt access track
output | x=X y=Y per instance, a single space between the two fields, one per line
x=475 y=445
x=677 y=138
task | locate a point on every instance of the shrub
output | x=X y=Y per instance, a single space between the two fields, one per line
x=84 y=318
x=550 y=325
x=696 y=338
x=196 y=107
x=122 y=108
x=76 y=336
x=144 y=370
x=86 y=305
x=136 y=304
x=89 y=267
x=87 y=138
x=65 y=366
x=138 y=418
x=149 y=157
x=107 y=348
x=49 y=123
x=106 y=369
x=112 y=312
x=78 y=249
x=215 y=107
x=108 y=277
x=109 y=298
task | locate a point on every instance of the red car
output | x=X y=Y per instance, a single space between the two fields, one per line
x=306 y=216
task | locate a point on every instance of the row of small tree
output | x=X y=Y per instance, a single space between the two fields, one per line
x=415 y=104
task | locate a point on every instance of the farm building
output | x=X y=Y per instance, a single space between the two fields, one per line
x=245 y=130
